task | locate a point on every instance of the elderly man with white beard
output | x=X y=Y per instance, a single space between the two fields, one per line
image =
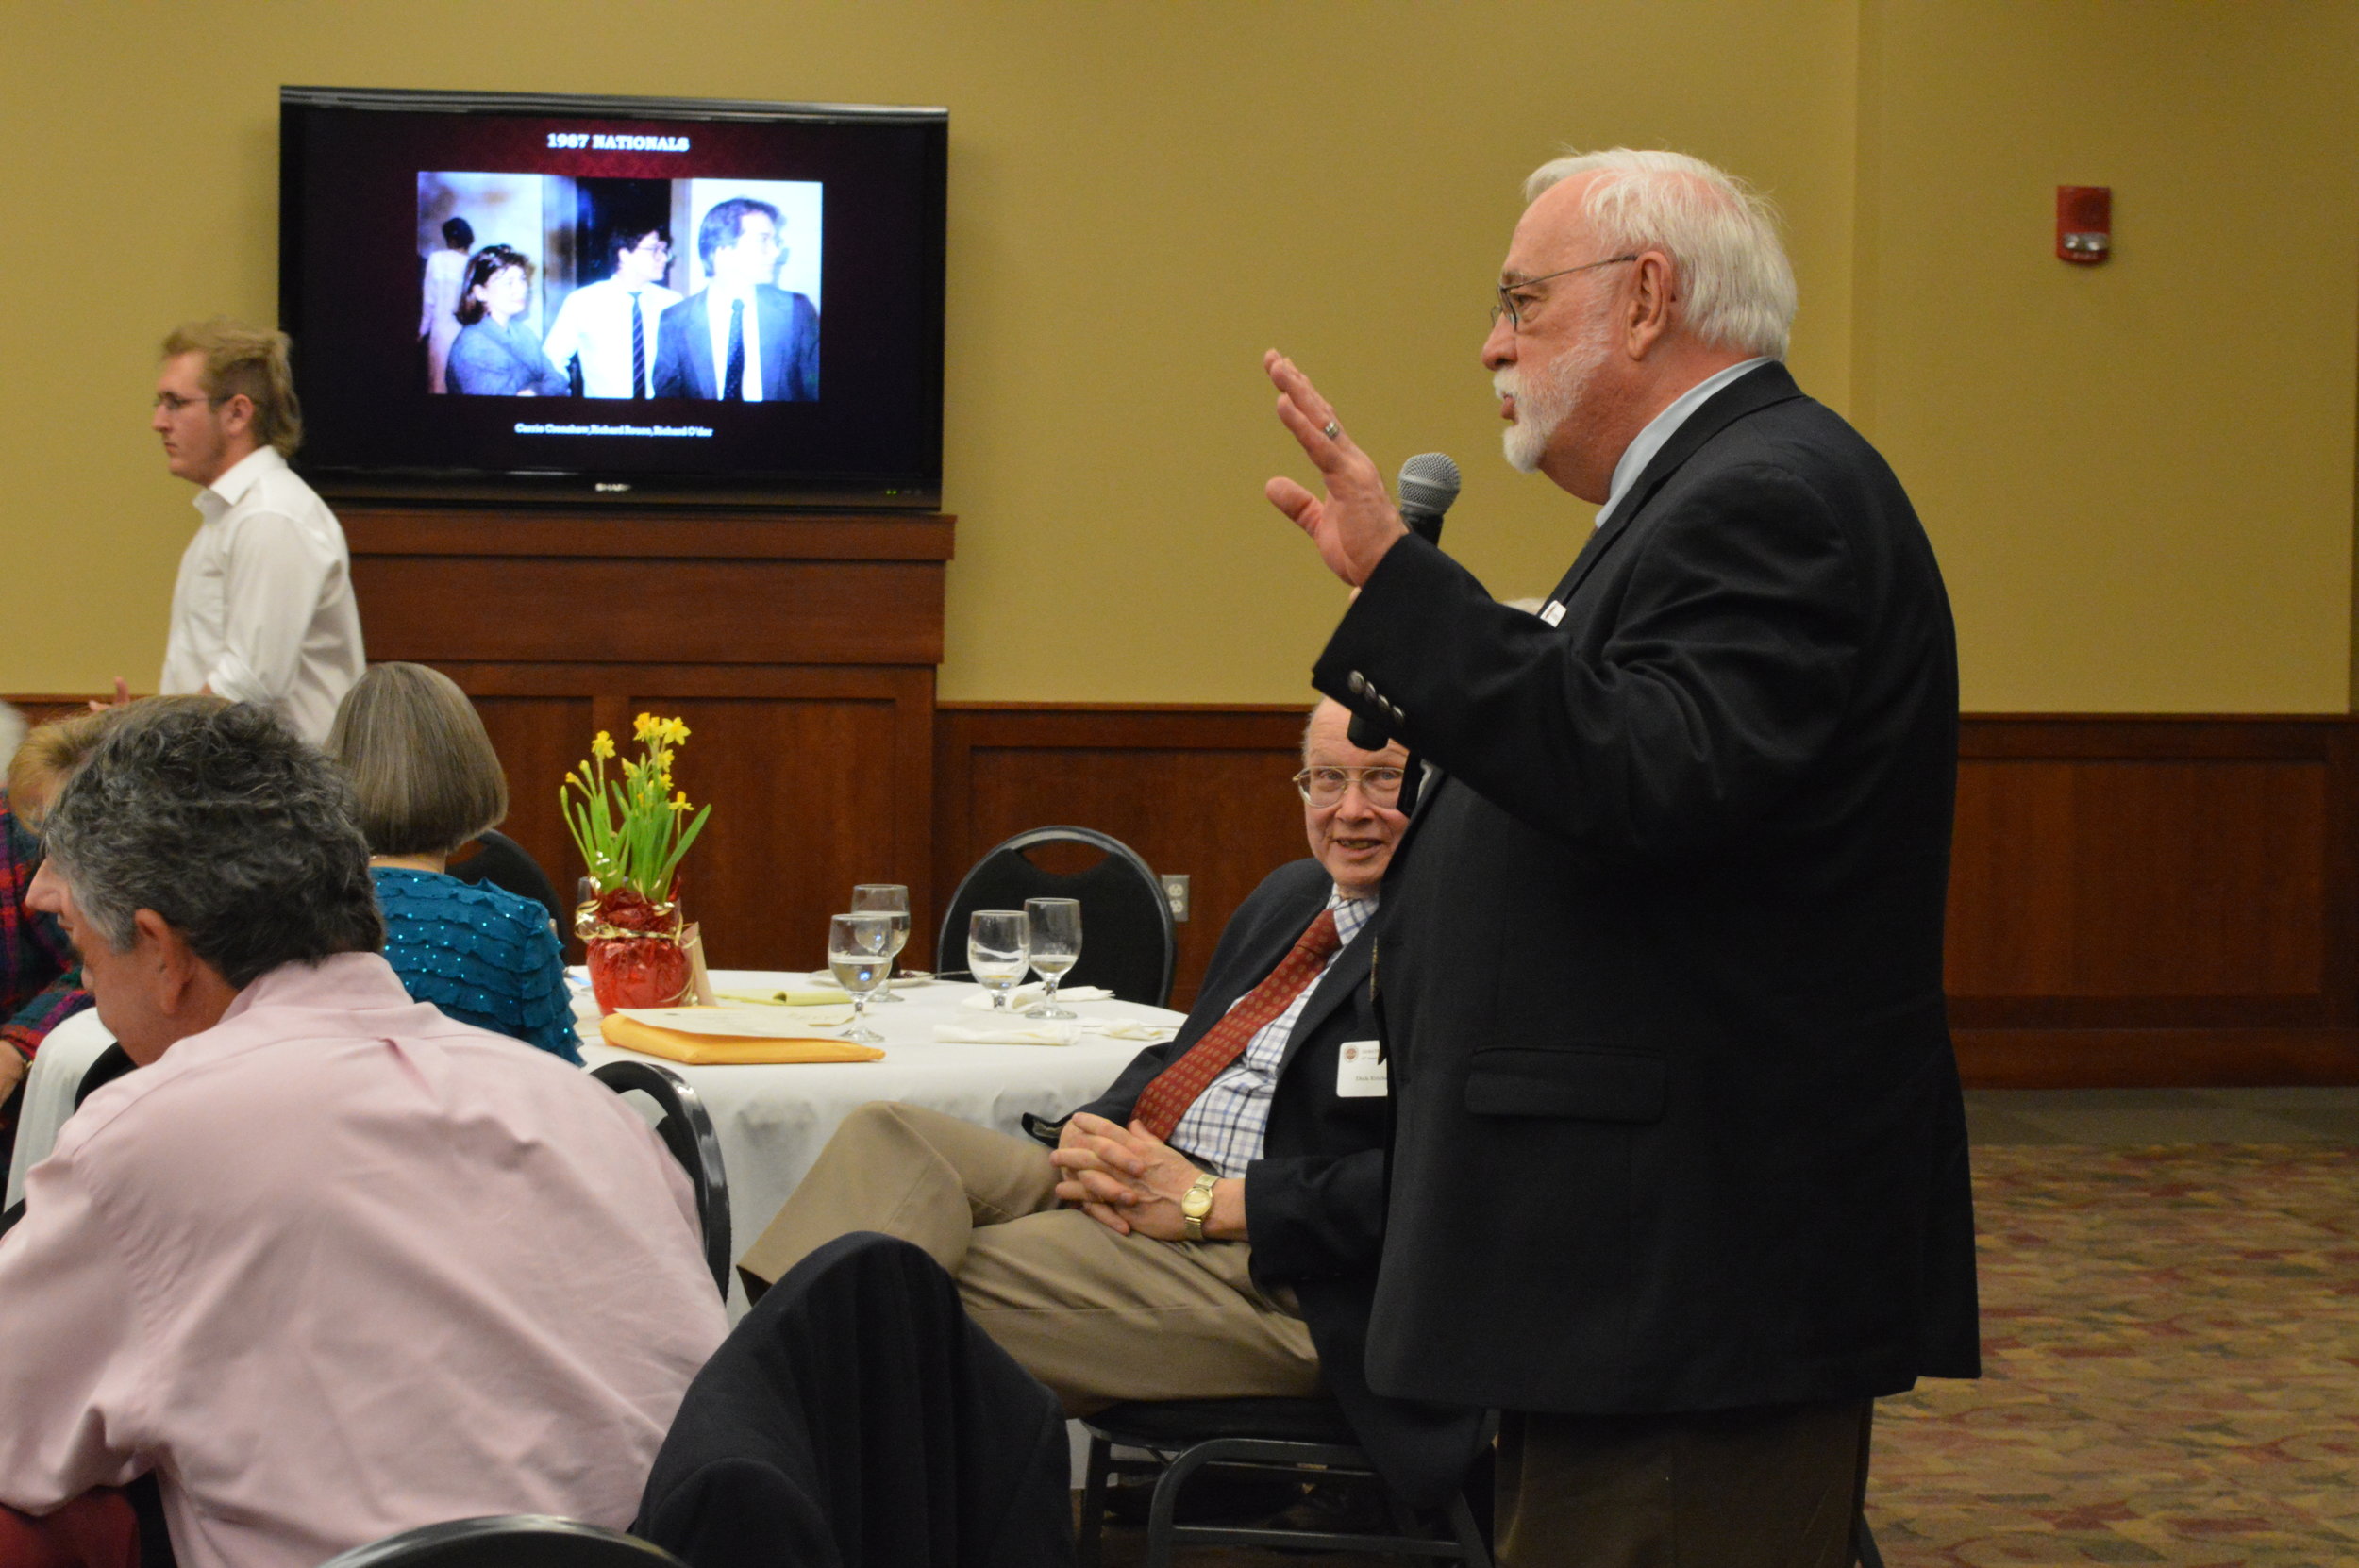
x=1678 y=1177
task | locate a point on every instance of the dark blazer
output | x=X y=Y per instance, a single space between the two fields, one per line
x=789 y=324
x=1678 y=1123
x=1314 y=1202
x=857 y=1417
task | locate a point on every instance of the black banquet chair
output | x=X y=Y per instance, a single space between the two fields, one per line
x=1307 y=1437
x=508 y=1540
x=858 y=1417
x=686 y=1130
x=1129 y=944
x=497 y=859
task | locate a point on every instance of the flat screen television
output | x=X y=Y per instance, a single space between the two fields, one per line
x=516 y=296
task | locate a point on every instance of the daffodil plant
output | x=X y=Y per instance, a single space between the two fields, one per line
x=632 y=825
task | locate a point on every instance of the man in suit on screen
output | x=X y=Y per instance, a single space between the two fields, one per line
x=741 y=339
x=1221 y=1202
x=1678 y=1172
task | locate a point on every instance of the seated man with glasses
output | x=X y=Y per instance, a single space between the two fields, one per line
x=1208 y=1227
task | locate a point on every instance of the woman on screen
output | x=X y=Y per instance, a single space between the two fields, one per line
x=497 y=352
x=438 y=321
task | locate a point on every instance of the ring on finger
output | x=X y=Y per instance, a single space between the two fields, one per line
x=1332 y=431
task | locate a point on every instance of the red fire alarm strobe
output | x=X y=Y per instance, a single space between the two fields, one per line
x=2084 y=222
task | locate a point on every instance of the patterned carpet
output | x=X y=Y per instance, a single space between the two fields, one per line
x=2171 y=1367
x=2171 y=1360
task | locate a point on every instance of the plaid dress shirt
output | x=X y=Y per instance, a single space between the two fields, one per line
x=41 y=980
x=1227 y=1125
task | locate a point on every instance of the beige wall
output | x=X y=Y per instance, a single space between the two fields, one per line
x=1145 y=196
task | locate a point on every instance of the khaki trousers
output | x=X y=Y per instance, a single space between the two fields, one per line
x=1771 y=1487
x=1099 y=1318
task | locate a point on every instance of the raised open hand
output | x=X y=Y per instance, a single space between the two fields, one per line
x=1356 y=522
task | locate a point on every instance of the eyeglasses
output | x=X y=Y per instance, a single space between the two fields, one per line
x=1325 y=786
x=171 y=403
x=1514 y=299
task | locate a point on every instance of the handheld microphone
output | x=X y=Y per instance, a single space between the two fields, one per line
x=1428 y=483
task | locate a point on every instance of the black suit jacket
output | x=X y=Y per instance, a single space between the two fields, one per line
x=1315 y=1201
x=789 y=325
x=1678 y=1126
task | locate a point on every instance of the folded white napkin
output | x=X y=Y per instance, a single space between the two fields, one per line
x=1043 y=1033
x=1024 y=996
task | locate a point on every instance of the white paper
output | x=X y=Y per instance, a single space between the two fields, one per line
x=1026 y=996
x=751 y=1022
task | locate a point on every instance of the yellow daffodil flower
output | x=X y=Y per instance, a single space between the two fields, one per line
x=603 y=746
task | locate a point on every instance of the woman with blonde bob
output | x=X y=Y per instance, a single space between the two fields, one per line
x=427 y=782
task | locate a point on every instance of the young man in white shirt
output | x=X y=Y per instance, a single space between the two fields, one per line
x=263 y=610
x=609 y=324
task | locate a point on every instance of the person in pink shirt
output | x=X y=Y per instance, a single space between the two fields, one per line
x=329 y=1263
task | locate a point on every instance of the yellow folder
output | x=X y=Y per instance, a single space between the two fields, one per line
x=708 y=1050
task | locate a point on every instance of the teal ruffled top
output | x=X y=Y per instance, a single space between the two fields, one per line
x=481 y=954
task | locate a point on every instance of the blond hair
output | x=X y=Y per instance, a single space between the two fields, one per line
x=421 y=764
x=249 y=362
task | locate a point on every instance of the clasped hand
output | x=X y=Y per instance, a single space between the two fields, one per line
x=1126 y=1178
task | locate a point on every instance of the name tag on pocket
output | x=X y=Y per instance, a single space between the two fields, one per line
x=1361 y=1073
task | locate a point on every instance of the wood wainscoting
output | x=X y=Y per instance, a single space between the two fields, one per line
x=2134 y=901
x=1203 y=791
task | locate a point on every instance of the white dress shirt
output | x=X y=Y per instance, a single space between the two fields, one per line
x=717 y=299
x=1229 y=1122
x=1660 y=430
x=264 y=611
x=594 y=323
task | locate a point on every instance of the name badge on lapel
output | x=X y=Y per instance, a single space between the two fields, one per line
x=1361 y=1072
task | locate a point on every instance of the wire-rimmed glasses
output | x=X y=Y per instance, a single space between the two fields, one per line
x=1513 y=307
x=1324 y=787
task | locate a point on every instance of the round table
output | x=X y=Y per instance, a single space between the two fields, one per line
x=772 y=1120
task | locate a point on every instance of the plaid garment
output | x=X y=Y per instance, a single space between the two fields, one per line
x=41 y=980
x=1225 y=1126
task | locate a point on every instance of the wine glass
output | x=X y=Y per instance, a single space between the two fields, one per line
x=893 y=899
x=998 y=945
x=1056 y=925
x=860 y=952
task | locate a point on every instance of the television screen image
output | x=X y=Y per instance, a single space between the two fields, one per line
x=547 y=286
x=652 y=275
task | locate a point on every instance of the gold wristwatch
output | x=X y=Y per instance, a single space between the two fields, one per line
x=1195 y=1204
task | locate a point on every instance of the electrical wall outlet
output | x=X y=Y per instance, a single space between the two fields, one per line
x=1176 y=894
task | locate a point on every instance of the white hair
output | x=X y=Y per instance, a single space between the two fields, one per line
x=1736 y=284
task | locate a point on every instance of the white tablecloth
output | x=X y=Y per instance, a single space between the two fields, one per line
x=772 y=1120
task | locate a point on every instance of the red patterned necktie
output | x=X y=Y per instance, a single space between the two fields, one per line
x=1169 y=1094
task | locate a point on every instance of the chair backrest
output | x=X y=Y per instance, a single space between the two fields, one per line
x=1128 y=944
x=509 y=1541
x=858 y=1415
x=506 y=864
x=686 y=1130
x=107 y=1066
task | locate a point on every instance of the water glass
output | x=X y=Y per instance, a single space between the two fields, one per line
x=860 y=952
x=998 y=947
x=1056 y=925
x=888 y=898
